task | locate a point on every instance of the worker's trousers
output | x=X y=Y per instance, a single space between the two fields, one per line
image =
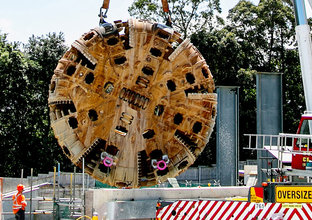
x=20 y=215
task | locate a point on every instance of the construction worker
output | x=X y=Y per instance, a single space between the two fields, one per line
x=19 y=203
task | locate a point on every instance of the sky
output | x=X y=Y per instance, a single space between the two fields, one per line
x=21 y=19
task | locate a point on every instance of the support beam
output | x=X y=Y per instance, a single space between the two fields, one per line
x=227 y=135
x=269 y=114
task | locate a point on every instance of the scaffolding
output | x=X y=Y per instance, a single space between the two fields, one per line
x=281 y=146
x=1 y=193
x=55 y=197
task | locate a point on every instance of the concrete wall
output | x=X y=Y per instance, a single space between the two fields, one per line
x=9 y=184
x=100 y=199
x=198 y=175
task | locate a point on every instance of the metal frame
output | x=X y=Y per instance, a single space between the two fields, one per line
x=282 y=143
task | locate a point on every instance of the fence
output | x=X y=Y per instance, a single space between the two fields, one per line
x=1 y=192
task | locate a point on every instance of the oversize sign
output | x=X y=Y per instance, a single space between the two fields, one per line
x=293 y=194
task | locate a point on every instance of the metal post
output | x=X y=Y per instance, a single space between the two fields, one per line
x=58 y=181
x=71 y=194
x=74 y=185
x=1 y=194
x=227 y=135
x=269 y=115
x=83 y=185
x=83 y=177
x=31 y=183
x=88 y=181
x=54 y=179
x=199 y=175
x=22 y=176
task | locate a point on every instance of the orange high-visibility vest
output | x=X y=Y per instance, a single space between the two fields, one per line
x=18 y=202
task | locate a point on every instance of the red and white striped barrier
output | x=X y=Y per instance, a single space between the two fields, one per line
x=224 y=210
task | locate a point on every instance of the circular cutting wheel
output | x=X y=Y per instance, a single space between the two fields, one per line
x=135 y=101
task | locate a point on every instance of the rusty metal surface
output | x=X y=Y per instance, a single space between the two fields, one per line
x=134 y=100
x=165 y=6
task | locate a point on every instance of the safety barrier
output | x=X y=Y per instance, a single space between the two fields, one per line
x=233 y=210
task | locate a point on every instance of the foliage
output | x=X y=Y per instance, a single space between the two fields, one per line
x=222 y=52
x=267 y=36
x=294 y=101
x=256 y=39
x=26 y=137
x=227 y=62
x=266 y=31
x=187 y=16
x=14 y=98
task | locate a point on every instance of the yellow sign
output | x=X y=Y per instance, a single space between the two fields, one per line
x=293 y=194
x=256 y=194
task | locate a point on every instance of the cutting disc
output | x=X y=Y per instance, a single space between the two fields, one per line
x=135 y=101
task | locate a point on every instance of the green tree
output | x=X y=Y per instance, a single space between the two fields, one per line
x=267 y=36
x=256 y=38
x=223 y=54
x=265 y=30
x=293 y=96
x=227 y=61
x=26 y=137
x=16 y=129
x=187 y=16
x=45 y=51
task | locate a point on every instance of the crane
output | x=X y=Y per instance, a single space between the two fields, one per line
x=303 y=35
